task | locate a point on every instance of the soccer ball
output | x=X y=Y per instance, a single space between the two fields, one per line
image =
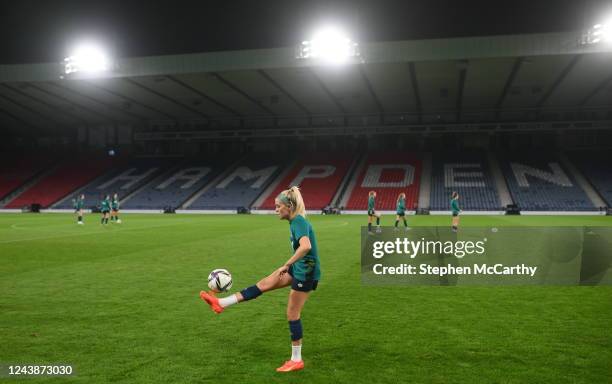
x=220 y=280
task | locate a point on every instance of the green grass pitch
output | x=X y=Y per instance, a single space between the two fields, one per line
x=120 y=303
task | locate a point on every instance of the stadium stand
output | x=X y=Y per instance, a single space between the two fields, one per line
x=68 y=176
x=172 y=188
x=123 y=180
x=388 y=174
x=18 y=171
x=242 y=184
x=467 y=173
x=598 y=170
x=318 y=179
x=540 y=183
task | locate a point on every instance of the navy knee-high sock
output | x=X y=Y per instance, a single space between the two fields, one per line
x=251 y=293
x=295 y=328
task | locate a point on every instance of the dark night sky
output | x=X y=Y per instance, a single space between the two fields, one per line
x=42 y=30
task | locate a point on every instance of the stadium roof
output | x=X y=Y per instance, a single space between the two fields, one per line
x=480 y=79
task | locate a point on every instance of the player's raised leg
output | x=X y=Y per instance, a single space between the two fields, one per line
x=268 y=283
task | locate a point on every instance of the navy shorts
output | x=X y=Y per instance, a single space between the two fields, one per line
x=455 y=214
x=302 y=285
x=371 y=212
x=105 y=211
x=401 y=214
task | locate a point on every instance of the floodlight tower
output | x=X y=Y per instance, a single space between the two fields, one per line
x=329 y=45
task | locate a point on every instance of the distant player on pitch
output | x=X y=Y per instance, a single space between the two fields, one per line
x=372 y=212
x=400 y=210
x=105 y=207
x=454 y=203
x=78 y=208
x=115 y=210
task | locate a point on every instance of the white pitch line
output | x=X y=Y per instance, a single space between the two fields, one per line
x=89 y=233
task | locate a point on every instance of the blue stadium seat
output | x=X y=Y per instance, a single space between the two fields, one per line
x=470 y=175
x=243 y=184
x=541 y=183
x=123 y=180
x=174 y=187
x=597 y=167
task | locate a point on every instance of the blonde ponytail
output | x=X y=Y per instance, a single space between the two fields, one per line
x=293 y=197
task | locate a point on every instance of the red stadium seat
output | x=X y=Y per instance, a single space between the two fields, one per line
x=69 y=176
x=18 y=171
x=392 y=180
x=321 y=179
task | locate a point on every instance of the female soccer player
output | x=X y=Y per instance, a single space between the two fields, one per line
x=455 y=210
x=401 y=210
x=115 y=209
x=301 y=272
x=372 y=212
x=105 y=209
x=78 y=208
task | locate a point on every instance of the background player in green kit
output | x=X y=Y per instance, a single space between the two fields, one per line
x=301 y=272
x=115 y=209
x=454 y=203
x=372 y=212
x=105 y=207
x=78 y=208
x=400 y=210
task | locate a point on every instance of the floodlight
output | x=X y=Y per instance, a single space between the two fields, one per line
x=606 y=31
x=599 y=33
x=330 y=45
x=87 y=58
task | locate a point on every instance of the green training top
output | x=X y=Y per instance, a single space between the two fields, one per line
x=308 y=267
x=115 y=204
x=371 y=202
x=78 y=204
x=105 y=205
x=401 y=205
x=454 y=206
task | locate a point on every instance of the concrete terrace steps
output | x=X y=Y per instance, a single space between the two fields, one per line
x=353 y=181
x=582 y=181
x=505 y=198
x=424 y=200
x=272 y=186
x=345 y=181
